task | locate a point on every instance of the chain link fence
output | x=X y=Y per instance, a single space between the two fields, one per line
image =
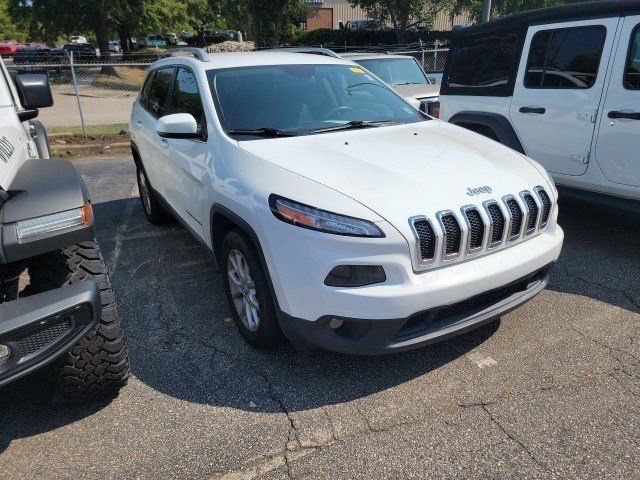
x=93 y=101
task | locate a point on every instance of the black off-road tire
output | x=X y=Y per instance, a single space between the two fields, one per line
x=98 y=365
x=268 y=335
x=155 y=212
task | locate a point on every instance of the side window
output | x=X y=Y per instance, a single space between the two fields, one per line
x=144 y=94
x=632 y=71
x=481 y=70
x=159 y=91
x=565 y=57
x=185 y=97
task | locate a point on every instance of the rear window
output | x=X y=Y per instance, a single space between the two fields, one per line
x=565 y=57
x=632 y=72
x=476 y=69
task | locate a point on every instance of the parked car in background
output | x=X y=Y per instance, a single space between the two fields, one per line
x=38 y=54
x=155 y=41
x=405 y=75
x=561 y=85
x=114 y=46
x=8 y=48
x=77 y=39
x=355 y=25
x=82 y=52
x=172 y=38
x=341 y=216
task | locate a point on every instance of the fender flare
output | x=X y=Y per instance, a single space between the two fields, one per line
x=500 y=125
x=42 y=187
x=41 y=139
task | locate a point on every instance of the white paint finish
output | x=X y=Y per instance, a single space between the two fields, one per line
x=617 y=149
x=384 y=175
x=559 y=136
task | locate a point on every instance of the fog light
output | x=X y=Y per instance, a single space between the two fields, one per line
x=5 y=353
x=335 y=323
x=355 y=276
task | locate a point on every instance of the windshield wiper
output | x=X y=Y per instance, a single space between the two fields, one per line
x=268 y=132
x=353 y=124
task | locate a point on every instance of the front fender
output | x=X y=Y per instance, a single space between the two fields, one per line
x=40 y=188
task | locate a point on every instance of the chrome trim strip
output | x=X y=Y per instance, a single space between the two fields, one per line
x=424 y=262
x=490 y=245
x=444 y=256
x=465 y=215
x=528 y=231
x=537 y=191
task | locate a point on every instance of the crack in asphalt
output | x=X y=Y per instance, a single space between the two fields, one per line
x=515 y=439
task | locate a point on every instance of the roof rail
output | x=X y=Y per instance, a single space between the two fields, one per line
x=198 y=53
x=311 y=50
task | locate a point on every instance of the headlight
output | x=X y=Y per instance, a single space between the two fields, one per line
x=309 y=217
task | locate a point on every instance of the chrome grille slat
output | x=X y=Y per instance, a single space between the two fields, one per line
x=480 y=230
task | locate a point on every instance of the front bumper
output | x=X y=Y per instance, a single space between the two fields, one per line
x=40 y=328
x=374 y=337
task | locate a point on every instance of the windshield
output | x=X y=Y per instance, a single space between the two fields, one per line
x=303 y=99
x=395 y=71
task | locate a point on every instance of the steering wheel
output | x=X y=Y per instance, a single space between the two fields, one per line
x=339 y=111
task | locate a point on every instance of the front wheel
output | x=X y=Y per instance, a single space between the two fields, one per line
x=248 y=293
x=98 y=365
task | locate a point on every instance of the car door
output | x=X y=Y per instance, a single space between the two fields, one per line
x=156 y=160
x=558 y=91
x=187 y=156
x=618 y=142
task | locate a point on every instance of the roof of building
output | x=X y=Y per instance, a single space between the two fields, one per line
x=571 y=11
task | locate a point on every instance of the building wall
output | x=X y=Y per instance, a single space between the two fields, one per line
x=343 y=12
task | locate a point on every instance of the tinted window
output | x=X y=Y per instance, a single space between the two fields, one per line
x=303 y=98
x=396 y=71
x=144 y=94
x=186 y=97
x=483 y=63
x=159 y=90
x=632 y=73
x=565 y=58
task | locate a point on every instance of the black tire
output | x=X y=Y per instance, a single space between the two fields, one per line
x=268 y=334
x=154 y=211
x=98 y=365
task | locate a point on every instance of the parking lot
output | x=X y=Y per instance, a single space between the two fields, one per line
x=552 y=390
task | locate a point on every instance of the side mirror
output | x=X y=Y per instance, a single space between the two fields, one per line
x=178 y=125
x=34 y=90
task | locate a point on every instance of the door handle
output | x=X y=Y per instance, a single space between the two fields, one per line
x=627 y=115
x=164 y=143
x=536 y=110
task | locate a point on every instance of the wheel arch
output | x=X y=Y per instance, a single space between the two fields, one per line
x=223 y=220
x=484 y=122
x=135 y=153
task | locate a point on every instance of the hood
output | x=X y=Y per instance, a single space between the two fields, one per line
x=404 y=170
x=418 y=91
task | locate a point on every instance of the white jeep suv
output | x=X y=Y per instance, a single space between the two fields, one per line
x=561 y=85
x=341 y=216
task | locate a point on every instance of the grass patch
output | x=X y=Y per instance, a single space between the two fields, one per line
x=127 y=79
x=92 y=130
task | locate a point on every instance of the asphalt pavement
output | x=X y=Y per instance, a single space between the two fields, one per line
x=552 y=390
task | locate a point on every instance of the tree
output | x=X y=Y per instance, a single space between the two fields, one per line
x=402 y=14
x=499 y=8
x=267 y=20
x=10 y=28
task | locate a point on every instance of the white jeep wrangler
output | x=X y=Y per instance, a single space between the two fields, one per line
x=56 y=304
x=561 y=85
x=340 y=215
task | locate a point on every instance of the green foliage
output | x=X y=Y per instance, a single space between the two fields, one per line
x=499 y=8
x=10 y=27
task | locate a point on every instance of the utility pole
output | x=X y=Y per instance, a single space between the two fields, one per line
x=486 y=10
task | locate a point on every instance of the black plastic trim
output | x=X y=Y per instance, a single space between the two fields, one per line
x=35 y=313
x=41 y=139
x=500 y=125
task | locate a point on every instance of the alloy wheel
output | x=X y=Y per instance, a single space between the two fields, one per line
x=243 y=290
